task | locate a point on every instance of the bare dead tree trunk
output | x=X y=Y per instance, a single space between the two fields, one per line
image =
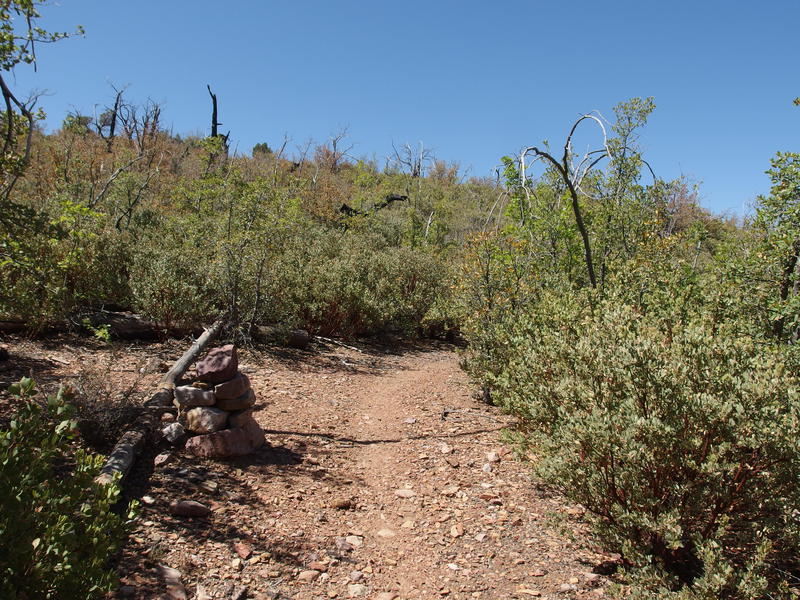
x=11 y=131
x=572 y=175
x=214 y=122
x=112 y=123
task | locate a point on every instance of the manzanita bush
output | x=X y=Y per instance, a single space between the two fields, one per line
x=57 y=527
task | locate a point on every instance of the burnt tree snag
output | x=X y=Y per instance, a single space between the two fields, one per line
x=214 y=123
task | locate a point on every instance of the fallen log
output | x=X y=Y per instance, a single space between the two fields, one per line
x=131 y=443
x=123 y=325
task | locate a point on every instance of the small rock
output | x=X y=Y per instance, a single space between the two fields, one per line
x=206 y=419
x=227 y=442
x=356 y=589
x=167 y=417
x=386 y=533
x=457 y=530
x=409 y=421
x=309 y=576
x=210 y=487
x=148 y=500
x=242 y=402
x=162 y=459
x=487 y=468
x=567 y=587
x=450 y=490
x=318 y=566
x=236 y=563
x=356 y=576
x=173 y=432
x=239 y=593
x=342 y=545
x=172 y=579
x=189 y=508
x=386 y=596
x=354 y=540
x=343 y=504
x=242 y=549
x=154 y=365
x=529 y=592
x=232 y=389
x=187 y=396
x=445 y=449
x=219 y=365
x=493 y=457
x=240 y=418
x=405 y=493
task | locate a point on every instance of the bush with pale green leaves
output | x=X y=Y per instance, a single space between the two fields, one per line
x=679 y=437
x=57 y=528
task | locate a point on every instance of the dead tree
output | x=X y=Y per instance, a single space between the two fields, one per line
x=140 y=128
x=572 y=175
x=215 y=122
x=108 y=119
x=13 y=128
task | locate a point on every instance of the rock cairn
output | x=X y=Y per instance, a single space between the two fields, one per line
x=217 y=408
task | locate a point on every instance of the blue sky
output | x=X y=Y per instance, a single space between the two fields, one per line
x=472 y=80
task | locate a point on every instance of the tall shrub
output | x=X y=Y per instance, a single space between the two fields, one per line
x=679 y=437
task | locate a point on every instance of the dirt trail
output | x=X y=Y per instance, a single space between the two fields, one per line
x=383 y=478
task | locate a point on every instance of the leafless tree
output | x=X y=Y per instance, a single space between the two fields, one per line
x=140 y=124
x=335 y=151
x=109 y=118
x=14 y=126
x=215 y=121
x=412 y=160
x=572 y=170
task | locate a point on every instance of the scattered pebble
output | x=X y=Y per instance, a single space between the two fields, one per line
x=189 y=508
x=308 y=576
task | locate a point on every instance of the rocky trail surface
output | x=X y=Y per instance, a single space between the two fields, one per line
x=382 y=478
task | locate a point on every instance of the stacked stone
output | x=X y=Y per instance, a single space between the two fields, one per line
x=218 y=407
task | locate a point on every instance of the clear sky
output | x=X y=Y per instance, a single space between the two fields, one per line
x=472 y=80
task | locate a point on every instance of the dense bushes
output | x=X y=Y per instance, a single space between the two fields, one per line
x=664 y=395
x=680 y=441
x=57 y=530
x=261 y=239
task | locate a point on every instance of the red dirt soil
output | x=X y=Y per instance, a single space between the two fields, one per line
x=384 y=447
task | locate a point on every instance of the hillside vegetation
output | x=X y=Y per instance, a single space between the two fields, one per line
x=647 y=347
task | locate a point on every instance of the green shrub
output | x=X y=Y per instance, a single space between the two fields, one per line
x=680 y=438
x=352 y=283
x=170 y=282
x=57 y=530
